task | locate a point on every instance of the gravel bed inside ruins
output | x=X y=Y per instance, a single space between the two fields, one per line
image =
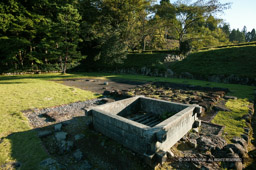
x=66 y=131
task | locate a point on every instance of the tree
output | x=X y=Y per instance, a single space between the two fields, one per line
x=188 y=24
x=236 y=36
x=120 y=21
x=66 y=31
x=250 y=36
x=226 y=29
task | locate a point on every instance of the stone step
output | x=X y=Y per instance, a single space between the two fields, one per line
x=148 y=120
x=153 y=123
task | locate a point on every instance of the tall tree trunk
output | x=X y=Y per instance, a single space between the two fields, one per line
x=61 y=63
x=65 y=62
x=21 y=59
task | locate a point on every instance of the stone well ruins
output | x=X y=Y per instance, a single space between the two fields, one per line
x=141 y=124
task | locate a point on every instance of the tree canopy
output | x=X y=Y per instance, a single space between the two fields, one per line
x=58 y=34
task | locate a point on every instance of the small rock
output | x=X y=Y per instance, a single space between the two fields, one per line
x=184 y=138
x=197 y=124
x=170 y=154
x=230 y=97
x=65 y=146
x=60 y=136
x=102 y=143
x=47 y=162
x=196 y=130
x=79 y=136
x=78 y=155
x=193 y=136
x=58 y=127
x=84 y=165
x=241 y=141
x=44 y=133
x=192 y=143
x=237 y=148
x=106 y=92
x=245 y=137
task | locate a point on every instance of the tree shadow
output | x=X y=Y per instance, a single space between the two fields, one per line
x=97 y=151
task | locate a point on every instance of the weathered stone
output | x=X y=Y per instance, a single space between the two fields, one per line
x=79 y=136
x=106 y=92
x=236 y=164
x=197 y=123
x=196 y=130
x=44 y=133
x=241 y=141
x=170 y=154
x=193 y=136
x=60 y=136
x=245 y=137
x=205 y=143
x=169 y=72
x=220 y=108
x=78 y=155
x=237 y=148
x=58 y=127
x=66 y=146
x=230 y=97
x=50 y=164
x=84 y=166
x=161 y=157
x=192 y=143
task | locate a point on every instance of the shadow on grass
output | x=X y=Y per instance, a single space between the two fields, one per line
x=4 y=82
x=97 y=150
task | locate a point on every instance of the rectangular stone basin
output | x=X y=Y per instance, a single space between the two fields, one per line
x=140 y=123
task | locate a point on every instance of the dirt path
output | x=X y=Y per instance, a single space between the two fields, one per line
x=99 y=86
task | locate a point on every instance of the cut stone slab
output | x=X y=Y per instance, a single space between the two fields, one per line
x=78 y=155
x=241 y=141
x=79 y=136
x=148 y=133
x=58 y=127
x=60 y=136
x=44 y=133
x=230 y=97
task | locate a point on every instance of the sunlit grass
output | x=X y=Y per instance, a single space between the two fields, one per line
x=233 y=122
x=22 y=94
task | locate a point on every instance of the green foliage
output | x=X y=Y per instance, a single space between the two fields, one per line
x=236 y=36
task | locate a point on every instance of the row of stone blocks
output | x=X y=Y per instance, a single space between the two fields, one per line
x=109 y=119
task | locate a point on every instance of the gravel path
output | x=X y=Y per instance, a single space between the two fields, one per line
x=47 y=116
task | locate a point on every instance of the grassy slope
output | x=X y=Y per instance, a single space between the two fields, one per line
x=239 y=61
x=21 y=94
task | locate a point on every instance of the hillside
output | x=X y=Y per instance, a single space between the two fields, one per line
x=239 y=61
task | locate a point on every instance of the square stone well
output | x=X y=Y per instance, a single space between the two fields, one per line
x=139 y=123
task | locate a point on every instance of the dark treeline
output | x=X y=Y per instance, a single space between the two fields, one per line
x=57 y=34
x=237 y=36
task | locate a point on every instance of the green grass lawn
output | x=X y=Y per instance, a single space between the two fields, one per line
x=233 y=122
x=17 y=93
x=18 y=141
